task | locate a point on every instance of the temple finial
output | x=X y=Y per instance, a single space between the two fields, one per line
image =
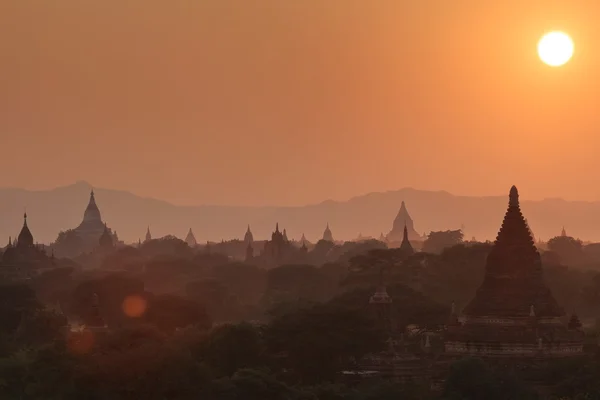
x=513 y=197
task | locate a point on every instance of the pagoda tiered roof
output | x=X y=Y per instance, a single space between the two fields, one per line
x=513 y=281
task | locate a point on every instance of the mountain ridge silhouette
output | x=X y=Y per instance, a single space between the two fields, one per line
x=61 y=208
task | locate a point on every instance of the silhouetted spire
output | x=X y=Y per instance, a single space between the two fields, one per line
x=513 y=275
x=403 y=220
x=285 y=235
x=277 y=227
x=563 y=233
x=148 y=235
x=405 y=246
x=190 y=239
x=25 y=238
x=248 y=237
x=92 y=213
x=327 y=235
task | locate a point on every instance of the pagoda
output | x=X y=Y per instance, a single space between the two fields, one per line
x=190 y=239
x=401 y=222
x=513 y=312
x=91 y=228
x=405 y=246
x=248 y=237
x=327 y=235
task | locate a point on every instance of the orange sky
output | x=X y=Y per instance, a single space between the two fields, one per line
x=291 y=102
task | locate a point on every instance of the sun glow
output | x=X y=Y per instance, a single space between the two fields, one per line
x=555 y=48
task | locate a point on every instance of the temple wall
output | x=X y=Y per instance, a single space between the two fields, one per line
x=512 y=321
x=504 y=349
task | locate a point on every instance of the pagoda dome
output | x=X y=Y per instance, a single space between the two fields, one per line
x=25 y=238
x=92 y=213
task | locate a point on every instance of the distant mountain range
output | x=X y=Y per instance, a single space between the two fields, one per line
x=62 y=208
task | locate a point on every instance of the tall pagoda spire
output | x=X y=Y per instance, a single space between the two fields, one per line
x=190 y=239
x=327 y=235
x=25 y=238
x=513 y=281
x=403 y=220
x=148 y=235
x=92 y=213
x=405 y=246
x=248 y=237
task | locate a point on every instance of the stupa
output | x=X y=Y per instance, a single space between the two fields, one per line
x=513 y=312
x=401 y=222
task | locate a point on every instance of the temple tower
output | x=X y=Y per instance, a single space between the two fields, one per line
x=148 y=235
x=91 y=227
x=25 y=238
x=327 y=235
x=405 y=246
x=403 y=221
x=190 y=239
x=513 y=312
x=248 y=237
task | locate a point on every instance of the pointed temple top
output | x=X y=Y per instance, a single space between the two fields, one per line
x=513 y=267
x=563 y=233
x=25 y=238
x=277 y=227
x=148 y=235
x=248 y=237
x=327 y=235
x=190 y=239
x=92 y=213
x=513 y=197
x=405 y=246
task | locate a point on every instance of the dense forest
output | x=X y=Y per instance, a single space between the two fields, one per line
x=184 y=323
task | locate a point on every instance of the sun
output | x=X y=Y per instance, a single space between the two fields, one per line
x=555 y=48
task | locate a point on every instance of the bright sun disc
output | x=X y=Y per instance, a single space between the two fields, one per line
x=555 y=48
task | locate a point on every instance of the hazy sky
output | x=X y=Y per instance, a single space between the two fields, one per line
x=290 y=102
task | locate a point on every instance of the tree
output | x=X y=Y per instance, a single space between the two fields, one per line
x=68 y=244
x=569 y=250
x=438 y=241
x=127 y=258
x=471 y=378
x=169 y=312
x=167 y=246
x=17 y=302
x=248 y=282
x=215 y=297
x=318 y=342
x=290 y=283
x=230 y=348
